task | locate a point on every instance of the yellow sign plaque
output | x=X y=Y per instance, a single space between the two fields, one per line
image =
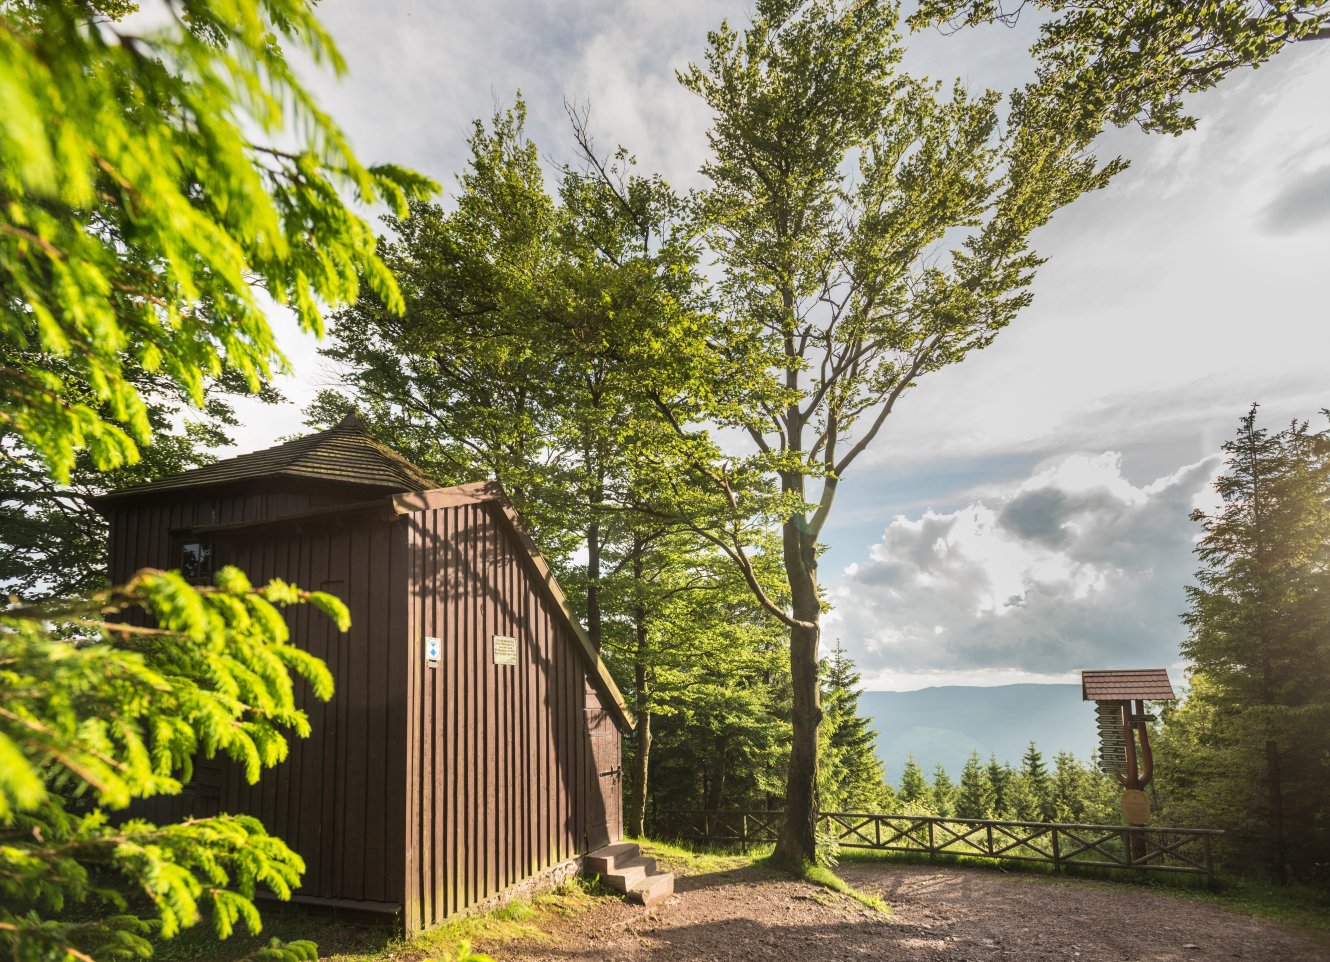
x=505 y=650
x=1135 y=807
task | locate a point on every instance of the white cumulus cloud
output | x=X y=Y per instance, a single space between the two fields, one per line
x=1074 y=567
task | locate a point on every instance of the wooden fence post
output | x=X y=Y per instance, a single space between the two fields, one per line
x=1057 y=856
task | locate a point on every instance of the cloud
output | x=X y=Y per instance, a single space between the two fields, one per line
x=1302 y=204
x=1073 y=567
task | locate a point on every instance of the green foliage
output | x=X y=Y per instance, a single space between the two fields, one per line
x=535 y=321
x=708 y=672
x=942 y=793
x=1002 y=777
x=1075 y=792
x=914 y=796
x=121 y=712
x=141 y=210
x=158 y=191
x=850 y=773
x=52 y=542
x=1248 y=750
x=975 y=797
x=1133 y=61
x=1034 y=796
x=869 y=228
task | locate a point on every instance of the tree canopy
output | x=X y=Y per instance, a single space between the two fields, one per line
x=1134 y=61
x=150 y=207
x=869 y=229
x=1248 y=747
x=160 y=190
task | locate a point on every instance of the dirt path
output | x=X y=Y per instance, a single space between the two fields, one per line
x=959 y=915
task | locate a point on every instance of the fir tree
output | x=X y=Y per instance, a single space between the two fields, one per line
x=914 y=796
x=1035 y=799
x=852 y=775
x=976 y=798
x=1002 y=779
x=1249 y=749
x=154 y=182
x=943 y=792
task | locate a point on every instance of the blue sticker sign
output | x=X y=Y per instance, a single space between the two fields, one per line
x=433 y=648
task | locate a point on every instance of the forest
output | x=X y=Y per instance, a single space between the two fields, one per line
x=670 y=386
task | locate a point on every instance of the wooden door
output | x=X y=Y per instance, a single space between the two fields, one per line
x=604 y=815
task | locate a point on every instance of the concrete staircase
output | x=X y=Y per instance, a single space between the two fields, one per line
x=623 y=867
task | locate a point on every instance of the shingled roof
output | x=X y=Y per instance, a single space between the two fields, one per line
x=1146 y=684
x=347 y=453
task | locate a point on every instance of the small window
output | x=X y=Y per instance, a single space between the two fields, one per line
x=197 y=561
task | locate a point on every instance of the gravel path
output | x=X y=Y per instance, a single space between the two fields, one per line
x=959 y=915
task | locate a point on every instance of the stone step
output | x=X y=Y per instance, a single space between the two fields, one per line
x=622 y=867
x=653 y=889
x=603 y=861
x=627 y=874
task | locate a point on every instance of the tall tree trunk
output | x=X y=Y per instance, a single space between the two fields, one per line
x=593 y=613
x=797 y=843
x=637 y=805
x=716 y=783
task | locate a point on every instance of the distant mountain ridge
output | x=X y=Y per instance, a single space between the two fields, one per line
x=946 y=724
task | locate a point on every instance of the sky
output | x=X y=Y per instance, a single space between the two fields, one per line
x=1024 y=514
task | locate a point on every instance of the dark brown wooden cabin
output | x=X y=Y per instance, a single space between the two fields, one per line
x=473 y=742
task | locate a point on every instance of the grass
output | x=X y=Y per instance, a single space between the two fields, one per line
x=685 y=859
x=1298 y=906
x=825 y=877
x=348 y=942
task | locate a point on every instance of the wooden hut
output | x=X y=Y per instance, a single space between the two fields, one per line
x=473 y=743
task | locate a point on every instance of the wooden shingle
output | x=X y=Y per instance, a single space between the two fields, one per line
x=346 y=453
x=1145 y=684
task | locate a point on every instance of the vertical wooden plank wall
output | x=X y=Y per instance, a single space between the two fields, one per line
x=337 y=799
x=333 y=798
x=501 y=774
x=430 y=787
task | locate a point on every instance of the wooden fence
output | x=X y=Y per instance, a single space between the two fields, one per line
x=1182 y=850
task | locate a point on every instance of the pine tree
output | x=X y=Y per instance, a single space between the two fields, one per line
x=852 y=775
x=914 y=796
x=1250 y=746
x=943 y=792
x=976 y=798
x=1002 y=778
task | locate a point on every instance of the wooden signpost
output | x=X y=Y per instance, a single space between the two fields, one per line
x=1124 y=740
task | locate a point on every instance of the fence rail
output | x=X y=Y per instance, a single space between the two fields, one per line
x=1182 y=850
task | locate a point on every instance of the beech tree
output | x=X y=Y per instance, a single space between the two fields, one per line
x=1133 y=61
x=869 y=229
